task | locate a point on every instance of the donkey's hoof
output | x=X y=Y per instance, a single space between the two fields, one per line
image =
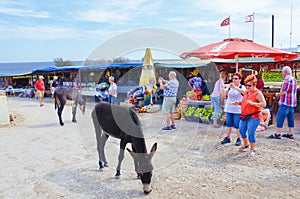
x=61 y=124
x=147 y=192
x=138 y=176
x=106 y=165
x=74 y=120
x=118 y=174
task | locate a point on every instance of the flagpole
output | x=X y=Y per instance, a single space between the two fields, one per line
x=229 y=27
x=291 y=25
x=253 y=28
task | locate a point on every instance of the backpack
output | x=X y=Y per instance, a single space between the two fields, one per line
x=240 y=86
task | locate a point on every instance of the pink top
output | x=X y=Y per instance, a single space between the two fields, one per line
x=217 y=89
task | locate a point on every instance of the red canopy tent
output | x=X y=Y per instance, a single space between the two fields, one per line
x=235 y=47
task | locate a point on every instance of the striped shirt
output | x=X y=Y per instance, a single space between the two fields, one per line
x=171 y=88
x=290 y=86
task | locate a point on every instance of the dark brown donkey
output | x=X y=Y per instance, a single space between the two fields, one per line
x=61 y=95
x=124 y=124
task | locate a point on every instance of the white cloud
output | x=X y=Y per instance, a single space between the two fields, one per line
x=21 y=10
x=39 y=32
x=118 y=12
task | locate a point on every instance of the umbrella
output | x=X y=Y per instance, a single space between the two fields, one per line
x=235 y=47
x=147 y=69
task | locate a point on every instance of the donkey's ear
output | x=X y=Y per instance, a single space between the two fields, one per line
x=153 y=150
x=154 y=147
x=131 y=153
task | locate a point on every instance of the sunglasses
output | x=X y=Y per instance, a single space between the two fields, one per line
x=248 y=85
x=235 y=78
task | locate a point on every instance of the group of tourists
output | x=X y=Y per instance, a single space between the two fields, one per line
x=243 y=107
x=39 y=86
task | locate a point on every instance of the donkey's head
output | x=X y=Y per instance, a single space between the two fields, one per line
x=80 y=100
x=77 y=97
x=145 y=166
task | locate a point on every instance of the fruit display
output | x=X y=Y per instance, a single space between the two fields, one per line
x=198 y=112
x=272 y=76
x=147 y=109
x=207 y=112
x=190 y=111
x=191 y=95
x=206 y=98
x=207 y=115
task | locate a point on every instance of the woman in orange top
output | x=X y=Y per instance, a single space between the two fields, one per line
x=251 y=105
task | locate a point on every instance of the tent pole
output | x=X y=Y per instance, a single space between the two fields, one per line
x=236 y=63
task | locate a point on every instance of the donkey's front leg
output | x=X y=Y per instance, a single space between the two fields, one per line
x=59 y=112
x=101 y=140
x=121 y=156
x=100 y=147
x=136 y=165
x=74 y=107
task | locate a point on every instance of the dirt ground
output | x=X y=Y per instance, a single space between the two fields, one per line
x=40 y=159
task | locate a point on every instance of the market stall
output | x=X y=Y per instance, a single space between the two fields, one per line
x=199 y=110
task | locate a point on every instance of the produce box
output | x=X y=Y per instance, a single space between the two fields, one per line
x=193 y=112
x=188 y=115
x=191 y=95
x=207 y=114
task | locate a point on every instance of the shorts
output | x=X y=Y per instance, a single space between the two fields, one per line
x=285 y=112
x=233 y=120
x=39 y=93
x=53 y=90
x=168 y=105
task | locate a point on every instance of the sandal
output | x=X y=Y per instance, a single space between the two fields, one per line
x=251 y=153
x=242 y=148
x=216 y=126
x=290 y=136
x=275 y=136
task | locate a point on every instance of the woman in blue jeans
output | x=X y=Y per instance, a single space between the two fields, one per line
x=215 y=96
x=252 y=103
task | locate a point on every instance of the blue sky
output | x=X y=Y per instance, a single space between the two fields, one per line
x=35 y=30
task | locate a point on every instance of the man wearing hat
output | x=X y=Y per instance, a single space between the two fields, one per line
x=40 y=89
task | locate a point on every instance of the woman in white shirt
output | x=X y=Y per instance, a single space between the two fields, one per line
x=112 y=90
x=233 y=112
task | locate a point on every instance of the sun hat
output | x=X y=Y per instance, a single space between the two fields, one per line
x=41 y=77
x=55 y=77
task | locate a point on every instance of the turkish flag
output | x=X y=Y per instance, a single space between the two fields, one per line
x=226 y=22
x=249 y=18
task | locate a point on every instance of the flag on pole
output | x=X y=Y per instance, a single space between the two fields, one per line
x=249 y=18
x=226 y=22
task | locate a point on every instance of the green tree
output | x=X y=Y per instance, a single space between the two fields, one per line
x=59 y=62
x=120 y=60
